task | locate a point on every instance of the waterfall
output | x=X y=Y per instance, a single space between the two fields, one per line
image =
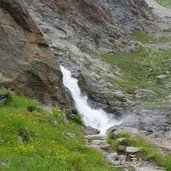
x=96 y=118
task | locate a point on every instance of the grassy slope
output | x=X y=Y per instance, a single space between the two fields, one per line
x=148 y=151
x=166 y=3
x=44 y=146
x=145 y=38
x=140 y=70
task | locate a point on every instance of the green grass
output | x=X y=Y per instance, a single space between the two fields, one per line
x=148 y=151
x=165 y=3
x=144 y=38
x=43 y=147
x=140 y=70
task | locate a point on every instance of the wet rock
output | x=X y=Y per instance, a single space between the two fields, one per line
x=91 y=131
x=132 y=150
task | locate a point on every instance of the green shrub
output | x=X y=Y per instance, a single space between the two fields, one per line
x=4 y=93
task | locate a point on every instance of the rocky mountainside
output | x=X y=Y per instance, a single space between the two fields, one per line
x=79 y=31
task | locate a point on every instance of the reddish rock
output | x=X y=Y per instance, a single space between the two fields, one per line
x=27 y=66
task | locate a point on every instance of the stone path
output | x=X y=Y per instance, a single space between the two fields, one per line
x=124 y=157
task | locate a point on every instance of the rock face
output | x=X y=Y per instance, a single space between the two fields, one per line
x=27 y=66
x=78 y=31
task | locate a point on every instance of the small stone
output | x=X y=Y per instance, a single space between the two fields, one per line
x=97 y=142
x=145 y=94
x=54 y=123
x=95 y=147
x=132 y=149
x=4 y=165
x=20 y=140
x=168 y=85
x=1 y=140
x=122 y=157
x=72 y=136
x=121 y=141
x=105 y=147
x=95 y=137
x=113 y=157
x=3 y=100
x=121 y=149
x=65 y=121
x=161 y=77
x=72 y=117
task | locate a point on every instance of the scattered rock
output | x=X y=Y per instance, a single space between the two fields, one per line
x=55 y=123
x=4 y=165
x=95 y=137
x=95 y=147
x=65 y=121
x=145 y=94
x=105 y=147
x=161 y=77
x=2 y=140
x=72 y=136
x=3 y=100
x=91 y=131
x=122 y=141
x=168 y=85
x=98 y=142
x=121 y=149
x=72 y=117
x=113 y=157
x=132 y=150
x=20 y=140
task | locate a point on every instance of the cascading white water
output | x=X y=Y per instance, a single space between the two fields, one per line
x=96 y=118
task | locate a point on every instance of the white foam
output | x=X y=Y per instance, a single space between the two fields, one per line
x=96 y=118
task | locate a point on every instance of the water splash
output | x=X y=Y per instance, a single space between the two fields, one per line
x=96 y=118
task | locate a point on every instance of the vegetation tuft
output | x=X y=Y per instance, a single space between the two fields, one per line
x=148 y=151
x=29 y=141
x=140 y=70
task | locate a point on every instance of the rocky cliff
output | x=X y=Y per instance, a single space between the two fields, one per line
x=77 y=32
x=27 y=66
